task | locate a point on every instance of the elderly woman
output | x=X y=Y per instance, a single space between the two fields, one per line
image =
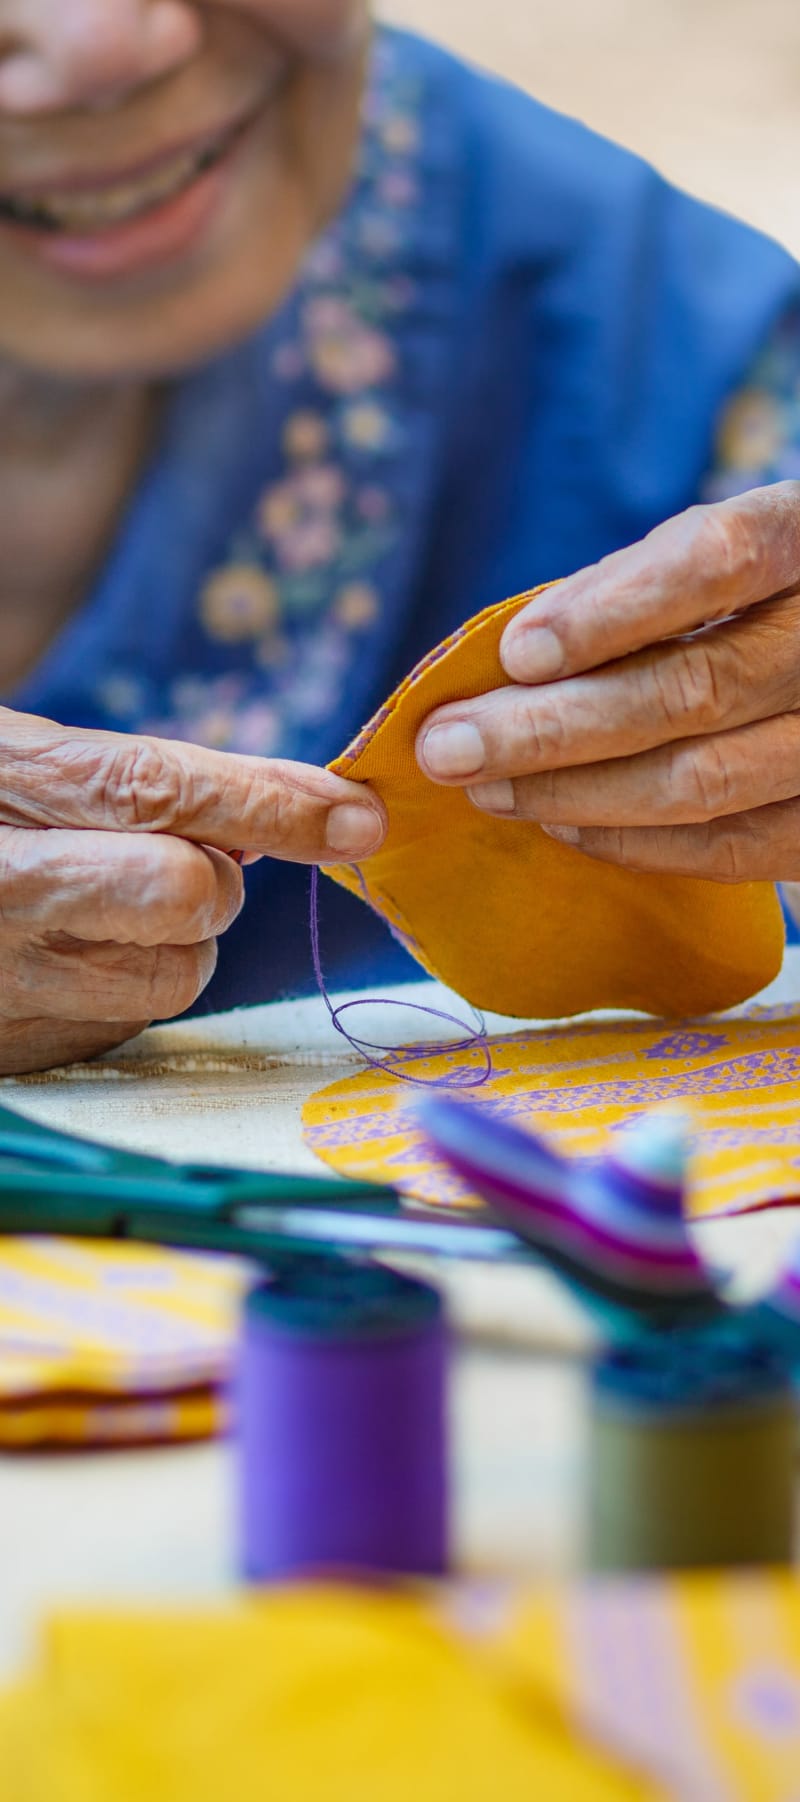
x=312 y=342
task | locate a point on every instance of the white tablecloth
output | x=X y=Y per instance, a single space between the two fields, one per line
x=158 y=1525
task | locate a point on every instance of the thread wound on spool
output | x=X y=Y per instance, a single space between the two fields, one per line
x=342 y=1454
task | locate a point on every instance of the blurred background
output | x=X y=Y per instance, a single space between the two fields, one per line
x=709 y=90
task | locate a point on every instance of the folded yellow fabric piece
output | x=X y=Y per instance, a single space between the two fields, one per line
x=109 y=1344
x=739 y=1079
x=303 y=1696
x=514 y=921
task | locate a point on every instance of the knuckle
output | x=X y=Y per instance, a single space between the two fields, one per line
x=280 y=811
x=725 y=546
x=136 y=786
x=181 y=895
x=726 y=853
x=688 y=687
x=14 y=987
x=175 y=976
x=538 y=728
x=701 y=781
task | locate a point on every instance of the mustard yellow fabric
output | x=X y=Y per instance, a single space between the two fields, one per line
x=738 y=1078
x=514 y=921
x=302 y=1696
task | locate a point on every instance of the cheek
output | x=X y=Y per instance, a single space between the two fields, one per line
x=315 y=27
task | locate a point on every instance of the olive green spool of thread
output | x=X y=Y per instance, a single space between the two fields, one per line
x=692 y=1455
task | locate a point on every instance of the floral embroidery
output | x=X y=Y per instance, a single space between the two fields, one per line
x=759 y=436
x=302 y=584
x=239 y=603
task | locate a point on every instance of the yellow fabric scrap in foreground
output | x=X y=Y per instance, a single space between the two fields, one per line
x=514 y=921
x=739 y=1078
x=304 y=1696
x=639 y=1690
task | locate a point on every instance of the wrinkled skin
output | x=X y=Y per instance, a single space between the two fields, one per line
x=652 y=716
x=116 y=881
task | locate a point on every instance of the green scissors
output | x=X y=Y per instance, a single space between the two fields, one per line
x=55 y=1182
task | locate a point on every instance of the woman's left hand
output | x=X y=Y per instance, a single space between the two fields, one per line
x=653 y=712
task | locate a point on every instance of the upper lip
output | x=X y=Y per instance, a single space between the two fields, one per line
x=95 y=182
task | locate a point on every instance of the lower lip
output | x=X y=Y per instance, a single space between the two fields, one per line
x=154 y=238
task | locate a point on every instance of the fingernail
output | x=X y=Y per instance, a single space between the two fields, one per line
x=566 y=835
x=455 y=750
x=495 y=797
x=532 y=654
x=353 y=831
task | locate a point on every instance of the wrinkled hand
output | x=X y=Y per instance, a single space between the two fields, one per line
x=654 y=714
x=110 y=918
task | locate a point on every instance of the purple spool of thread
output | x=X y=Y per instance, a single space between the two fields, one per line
x=341 y=1409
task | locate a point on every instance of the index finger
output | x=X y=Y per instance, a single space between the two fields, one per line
x=52 y=775
x=702 y=566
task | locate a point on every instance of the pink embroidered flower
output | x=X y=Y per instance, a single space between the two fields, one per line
x=344 y=353
x=214 y=729
x=309 y=544
x=398 y=188
x=239 y=602
x=299 y=516
x=321 y=487
x=257 y=730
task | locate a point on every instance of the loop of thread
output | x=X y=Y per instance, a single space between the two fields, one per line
x=476 y=1040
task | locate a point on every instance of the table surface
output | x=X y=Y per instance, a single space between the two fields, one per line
x=156 y=1526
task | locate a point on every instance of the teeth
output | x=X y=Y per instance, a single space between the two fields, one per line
x=82 y=212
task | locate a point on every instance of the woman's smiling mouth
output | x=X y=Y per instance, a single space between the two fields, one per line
x=114 y=226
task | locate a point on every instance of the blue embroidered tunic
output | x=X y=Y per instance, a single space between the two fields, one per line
x=511 y=352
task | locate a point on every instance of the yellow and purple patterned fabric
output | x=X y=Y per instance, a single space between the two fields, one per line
x=110 y=1345
x=738 y=1078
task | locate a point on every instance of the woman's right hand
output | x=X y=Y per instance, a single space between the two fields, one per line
x=114 y=878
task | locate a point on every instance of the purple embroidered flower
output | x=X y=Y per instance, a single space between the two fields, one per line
x=686 y=1044
x=397 y=188
x=768 y=1700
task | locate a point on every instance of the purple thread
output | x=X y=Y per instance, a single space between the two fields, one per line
x=477 y=1040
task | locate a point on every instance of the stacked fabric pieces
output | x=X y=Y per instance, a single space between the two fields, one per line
x=109 y=1344
x=686 y=1689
